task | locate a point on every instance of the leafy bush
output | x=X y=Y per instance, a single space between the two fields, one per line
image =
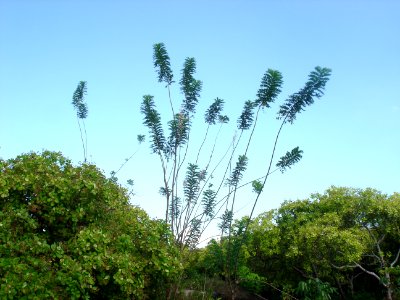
x=69 y=233
x=315 y=289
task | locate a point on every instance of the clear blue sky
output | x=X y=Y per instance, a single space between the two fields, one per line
x=350 y=137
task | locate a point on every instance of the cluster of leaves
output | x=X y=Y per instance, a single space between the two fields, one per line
x=343 y=244
x=81 y=108
x=69 y=233
x=339 y=243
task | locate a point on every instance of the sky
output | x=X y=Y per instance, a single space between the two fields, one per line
x=350 y=137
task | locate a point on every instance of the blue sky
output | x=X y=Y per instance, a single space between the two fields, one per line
x=350 y=137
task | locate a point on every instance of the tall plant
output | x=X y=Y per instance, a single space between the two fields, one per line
x=78 y=101
x=189 y=210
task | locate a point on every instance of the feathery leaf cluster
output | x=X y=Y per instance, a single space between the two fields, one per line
x=247 y=116
x=270 y=88
x=175 y=208
x=179 y=132
x=191 y=184
x=289 y=159
x=208 y=202
x=190 y=86
x=140 y=138
x=152 y=120
x=223 y=119
x=226 y=220
x=194 y=233
x=164 y=192
x=78 y=100
x=257 y=186
x=162 y=64
x=237 y=173
x=212 y=114
x=314 y=88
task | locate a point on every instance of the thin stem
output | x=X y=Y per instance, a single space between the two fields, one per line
x=173 y=190
x=126 y=161
x=252 y=131
x=220 y=161
x=213 y=148
x=201 y=146
x=235 y=192
x=165 y=185
x=86 y=144
x=170 y=99
x=268 y=172
x=83 y=143
x=396 y=259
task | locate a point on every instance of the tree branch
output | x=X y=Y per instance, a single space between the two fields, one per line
x=396 y=259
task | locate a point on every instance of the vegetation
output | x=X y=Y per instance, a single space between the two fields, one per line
x=69 y=232
x=81 y=107
x=346 y=238
x=191 y=209
x=343 y=244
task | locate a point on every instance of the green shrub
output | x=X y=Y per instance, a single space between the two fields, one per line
x=70 y=233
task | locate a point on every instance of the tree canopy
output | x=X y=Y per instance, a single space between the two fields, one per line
x=68 y=232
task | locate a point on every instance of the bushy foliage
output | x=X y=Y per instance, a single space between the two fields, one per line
x=68 y=232
x=343 y=242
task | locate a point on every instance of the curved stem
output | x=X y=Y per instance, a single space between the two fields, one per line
x=127 y=160
x=83 y=143
x=202 y=144
x=86 y=145
x=170 y=100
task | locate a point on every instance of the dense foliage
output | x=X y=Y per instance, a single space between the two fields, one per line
x=344 y=244
x=69 y=233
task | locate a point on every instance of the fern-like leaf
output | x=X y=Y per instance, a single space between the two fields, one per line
x=175 y=207
x=191 y=185
x=226 y=219
x=314 y=88
x=247 y=116
x=237 y=173
x=193 y=235
x=179 y=132
x=152 y=120
x=190 y=87
x=213 y=112
x=162 y=64
x=289 y=159
x=78 y=99
x=270 y=88
x=209 y=202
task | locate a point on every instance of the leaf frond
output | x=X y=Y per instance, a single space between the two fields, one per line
x=314 y=88
x=152 y=120
x=190 y=86
x=191 y=185
x=78 y=99
x=162 y=64
x=214 y=111
x=247 y=116
x=270 y=88
x=237 y=173
x=289 y=159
